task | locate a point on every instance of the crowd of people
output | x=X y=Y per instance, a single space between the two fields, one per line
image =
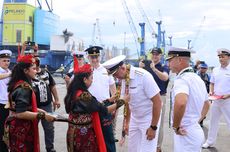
x=96 y=91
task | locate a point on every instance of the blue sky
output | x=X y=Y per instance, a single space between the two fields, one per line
x=205 y=22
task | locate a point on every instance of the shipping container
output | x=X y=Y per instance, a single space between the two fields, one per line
x=45 y=25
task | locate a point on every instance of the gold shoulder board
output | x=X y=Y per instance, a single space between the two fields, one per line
x=139 y=72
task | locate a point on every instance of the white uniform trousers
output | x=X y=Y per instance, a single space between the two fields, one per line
x=137 y=139
x=161 y=128
x=192 y=142
x=218 y=108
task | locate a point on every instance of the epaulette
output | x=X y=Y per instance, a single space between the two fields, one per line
x=139 y=72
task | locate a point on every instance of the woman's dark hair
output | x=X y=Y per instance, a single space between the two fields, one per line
x=76 y=84
x=18 y=74
x=37 y=61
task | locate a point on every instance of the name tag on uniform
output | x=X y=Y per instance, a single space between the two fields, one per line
x=105 y=73
x=132 y=87
x=132 y=90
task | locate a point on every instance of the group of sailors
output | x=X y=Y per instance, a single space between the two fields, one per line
x=96 y=91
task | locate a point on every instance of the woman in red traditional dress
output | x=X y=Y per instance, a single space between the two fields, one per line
x=22 y=123
x=83 y=108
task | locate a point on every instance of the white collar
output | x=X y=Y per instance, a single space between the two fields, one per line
x=183 y=70
x=3 y=70
x=99 y=67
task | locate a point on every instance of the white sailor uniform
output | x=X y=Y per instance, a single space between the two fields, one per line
x=221 y=79
x=192 y=85
x=101 y=83
x=141 y=89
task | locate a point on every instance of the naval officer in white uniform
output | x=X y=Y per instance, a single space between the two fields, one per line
x=145 y=104
x=5 y=74
x=189 y=96
x=220 y=82
x=103 y=85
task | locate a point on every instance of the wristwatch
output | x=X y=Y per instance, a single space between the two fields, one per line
x=153 y=127
x=176 y=129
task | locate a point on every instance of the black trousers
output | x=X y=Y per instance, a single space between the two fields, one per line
x=3 y=115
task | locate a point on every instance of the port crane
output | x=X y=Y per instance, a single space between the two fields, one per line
x=191 y=43
x=137 y=39
x=96 y=35
x=49 y=5
x=97 y=39
x=146 y=19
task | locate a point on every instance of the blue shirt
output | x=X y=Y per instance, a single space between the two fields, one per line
x=163 y=68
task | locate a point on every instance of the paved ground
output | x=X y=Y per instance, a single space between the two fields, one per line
x=222 y=145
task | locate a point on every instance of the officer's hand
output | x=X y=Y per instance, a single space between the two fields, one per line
x=141 y=64
x=150 y=133
x=211 y=93
x=226 y=96
x=181 y=131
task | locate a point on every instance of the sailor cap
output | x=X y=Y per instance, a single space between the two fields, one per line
x=113 y=64
x=5 y=53
x=94 y=50
x=174 y=52
x=223 y=51
x=79 y=54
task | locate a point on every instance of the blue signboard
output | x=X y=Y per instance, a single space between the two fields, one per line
x=45 y=25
